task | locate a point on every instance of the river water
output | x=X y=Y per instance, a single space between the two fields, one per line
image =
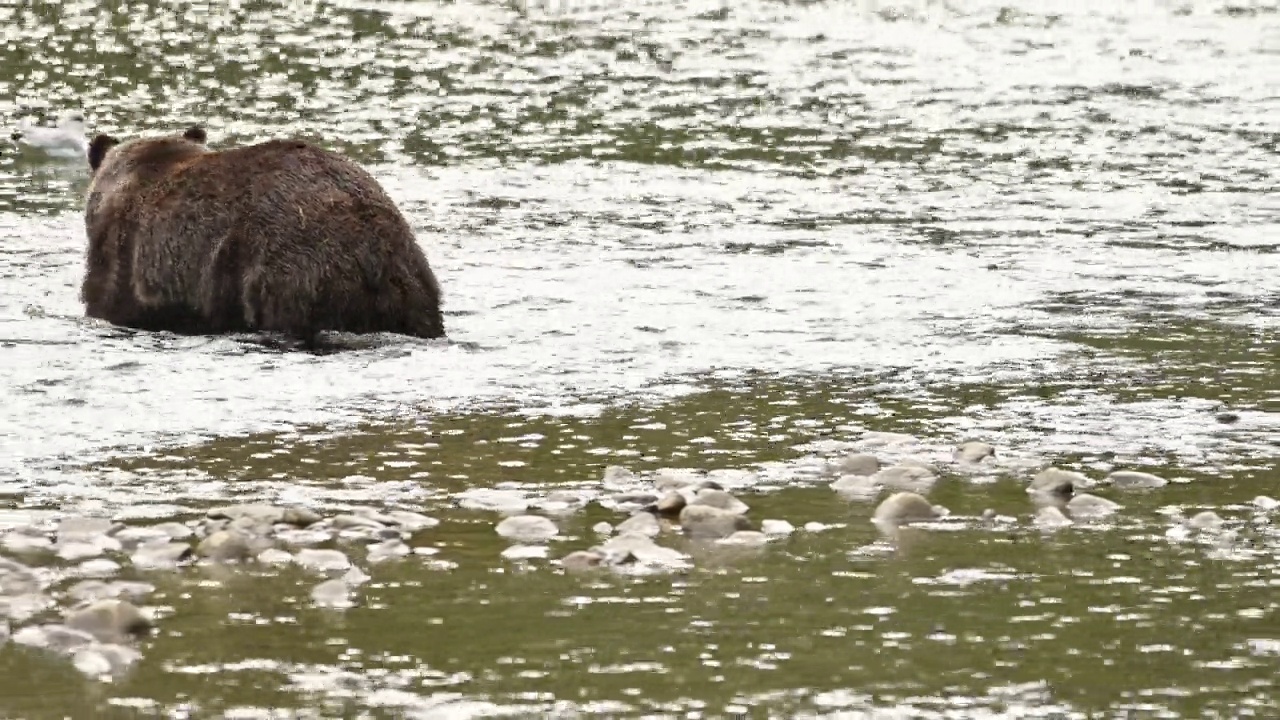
x=705 y=235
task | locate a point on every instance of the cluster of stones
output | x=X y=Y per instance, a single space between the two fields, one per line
x=97 y=619
x=693 y=505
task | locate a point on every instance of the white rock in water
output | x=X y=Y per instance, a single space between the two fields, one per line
x=525 y=552
x=625 y=548
x=974 y=452
x=776 y=527
x=1056 y=481
x=617 y=477
x=602 y=528
x=746 y=538
x=721 y=500
x=98 y=659
x=275 y=556
x=642 y=523
x=708 y=522
x=1085 y=505
x=388 y=550
x=856 y=464
x=1131 y=480
x=100 y=567
x=904 y=508
x=332 y=594
x=83 y=528
x=528 y=528
x=505 y=501
x=1051 y=518
x=732 y=478
x=322 y=560
x=1206 y=520
x=907 y=478
x=1266 y=504
x=856 y=487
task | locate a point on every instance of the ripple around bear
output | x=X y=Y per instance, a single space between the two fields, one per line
x=281 y=236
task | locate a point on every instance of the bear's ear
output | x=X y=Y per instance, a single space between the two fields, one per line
x=195 y=133
x=98 y=149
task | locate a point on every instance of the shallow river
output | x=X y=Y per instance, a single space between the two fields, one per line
x=695 y=235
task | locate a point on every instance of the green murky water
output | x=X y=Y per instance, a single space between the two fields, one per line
x=702 y=236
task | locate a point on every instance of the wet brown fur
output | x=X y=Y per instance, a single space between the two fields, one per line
x=282 y=236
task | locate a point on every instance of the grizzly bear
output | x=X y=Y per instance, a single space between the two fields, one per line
x=278 y=237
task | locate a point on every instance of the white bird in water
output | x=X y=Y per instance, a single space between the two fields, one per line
x=67 y=140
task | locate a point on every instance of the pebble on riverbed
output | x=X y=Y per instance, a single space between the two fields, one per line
x=101 y=620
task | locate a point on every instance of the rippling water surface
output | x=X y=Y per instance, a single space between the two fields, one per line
x=709 y=235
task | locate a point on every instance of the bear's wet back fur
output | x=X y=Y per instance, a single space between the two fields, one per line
x=282 y=236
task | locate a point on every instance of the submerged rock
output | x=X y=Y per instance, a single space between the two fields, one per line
x=974 y=452
x=88 y=591
x=721 y=500
x=525 y=552
x=642 y=523
x=672 y=503
x=161 y=555
x=109 y=620
x=528 y=528
x=1085 y=505
x=309 y=536
x=255 y=513
x=52 y=636
x=629 y=502
x=333 y=594
x=21 y=608
x=226 y=546
x=26 y=540
x=411 y=521
x=617 y=477
x=1057 y=483
x=388 y=550
x=300 y=516
x=707 y=522
x=906 y=477
x=1051 y=518
x=1132 y=480
x=99 y=659
x=637 y=549
x=776 y=528
x=98 y=567
x=562 y=502
x=856 y=464
x=76 y=528
x=132 y=537
x=903 y=508
x=322 y=560
x=16 y=578
x=348 y=521
x=582 y=560
x=275 y=556
x=503 y=501
x=1206 y=520
x=745 y=538
x=1266 y=504
x=856 y=487
x=73 y=550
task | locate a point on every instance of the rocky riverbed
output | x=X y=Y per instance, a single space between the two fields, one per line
x=78 y=586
